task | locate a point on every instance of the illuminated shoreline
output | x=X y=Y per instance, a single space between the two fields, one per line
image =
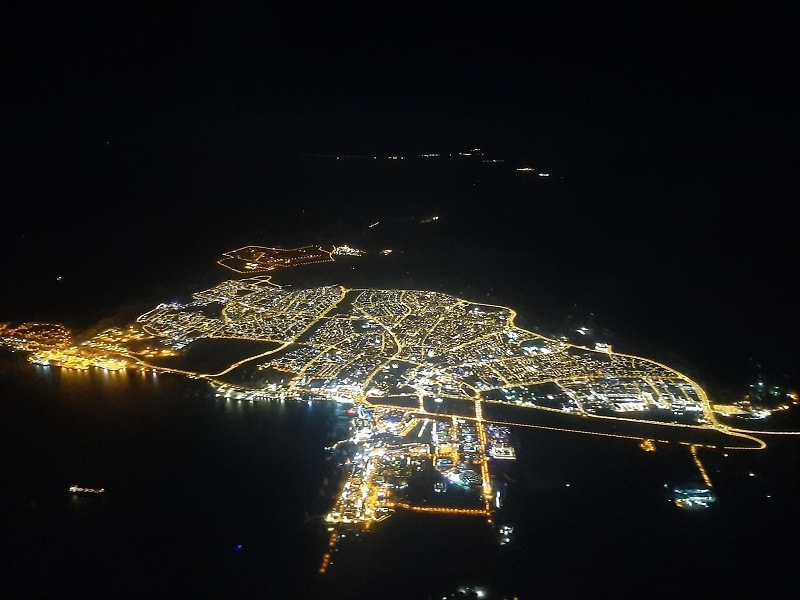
x=431 y=359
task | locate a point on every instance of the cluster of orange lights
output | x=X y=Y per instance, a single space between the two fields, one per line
x=71 y=358
x=31 y=337
x=648 y=445
x=480 y=512
x=326 y=558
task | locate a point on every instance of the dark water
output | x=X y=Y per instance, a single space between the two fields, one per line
x=614 y=533
x=190 y=478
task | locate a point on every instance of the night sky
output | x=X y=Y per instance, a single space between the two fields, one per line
x=688 y=83
x=678 y=118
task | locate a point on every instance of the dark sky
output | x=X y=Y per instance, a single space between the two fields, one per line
x=680 y=114
x=713 y=82
x=696 y=99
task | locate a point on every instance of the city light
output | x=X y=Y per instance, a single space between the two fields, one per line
x=419 y=371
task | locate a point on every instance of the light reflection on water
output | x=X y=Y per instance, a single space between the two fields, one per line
x=191 y=475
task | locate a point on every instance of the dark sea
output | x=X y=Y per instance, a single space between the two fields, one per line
x=211 y=499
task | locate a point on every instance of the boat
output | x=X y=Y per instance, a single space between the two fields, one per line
x=505 y=534
x=75 y=489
